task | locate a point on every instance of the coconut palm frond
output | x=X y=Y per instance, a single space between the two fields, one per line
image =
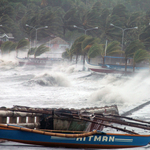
x=113 y=48
x=32 y=51
x=40 y=50
x=94 y=50
x=140 y=55
x=22 y=43
x=5 y=47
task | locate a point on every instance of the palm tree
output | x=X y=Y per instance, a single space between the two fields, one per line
x=22 y=44
x=31 y=51
x=40 y=50
x=86 y=45
x=131 y=49
x=70 y=53
x=76 y=47
x=13 y=47
x=94 y=51
x=112 y=49
x=5 y=47
x=140 y=55
x=145 y=37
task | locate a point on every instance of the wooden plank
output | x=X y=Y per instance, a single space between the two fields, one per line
x=22 y=119
x=13 y=120
x=31 y=119
x=3 y=119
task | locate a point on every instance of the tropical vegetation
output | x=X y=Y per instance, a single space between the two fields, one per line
x=73 y=20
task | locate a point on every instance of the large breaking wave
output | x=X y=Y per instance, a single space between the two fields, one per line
x=123 y=91
x=50 y=79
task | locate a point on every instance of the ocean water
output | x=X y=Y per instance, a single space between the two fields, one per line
x=67 y=86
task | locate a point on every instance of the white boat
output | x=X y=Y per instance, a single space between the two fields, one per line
x=37 y=61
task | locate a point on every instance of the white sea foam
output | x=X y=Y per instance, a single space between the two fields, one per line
x=71 y=87
x=52 y=79
x=125 y=92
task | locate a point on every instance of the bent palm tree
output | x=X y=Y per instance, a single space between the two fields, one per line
x=31 y=51
x=76 y=47
x=69 y=53
x=139 y=56
x=21 y=45
x=5 y=47
x=131 y=49
x=40 y=50
x=86 y=45
x=112 y=49
x=94 y=51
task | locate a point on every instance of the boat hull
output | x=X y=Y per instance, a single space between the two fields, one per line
x=98 y=140
x=37 y=61
x=115 y=69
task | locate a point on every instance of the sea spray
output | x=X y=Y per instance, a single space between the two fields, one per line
x=8 y=61
x=126 y=92
x=51 y=79
x=67 y=67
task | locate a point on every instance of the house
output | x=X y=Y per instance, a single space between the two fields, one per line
x=58 y=43
x=57 y=47
x=6 y=37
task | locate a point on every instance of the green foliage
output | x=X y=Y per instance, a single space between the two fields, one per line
x=140 y=55
x=13 y=46
x=40 y=50
x=65 y=55
x=22 y=44
x=133 y=47
x=113 y=48
x=61 y=15
x=76 y=47
x=5 y=47
x=145 y=37
x=87 y=43
x=32 y=51
x=94 y=50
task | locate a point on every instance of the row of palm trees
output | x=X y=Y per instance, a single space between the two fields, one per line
x=22 y=45
x=91 y=47
x=87 y=46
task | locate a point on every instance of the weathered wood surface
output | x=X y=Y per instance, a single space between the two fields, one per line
x=9 y=113
x=31 y=117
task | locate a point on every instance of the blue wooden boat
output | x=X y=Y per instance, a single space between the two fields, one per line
x=94 y=139
x=113 y=65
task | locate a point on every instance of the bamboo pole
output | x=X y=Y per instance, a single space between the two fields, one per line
x=128 y=118
x=95 y=122
x=122 y=122
x=118 y=121
x=11 y=113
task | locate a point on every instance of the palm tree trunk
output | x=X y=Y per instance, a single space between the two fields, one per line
x=71 y=58
x=89 y=60
x=103 y=61
x=64 y=31
x=134 y=68
x=126 y=64
x=84 y=62
x=76 y=58
x=16 y=53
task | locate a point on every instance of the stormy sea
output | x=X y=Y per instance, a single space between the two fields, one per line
x=67 y=86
